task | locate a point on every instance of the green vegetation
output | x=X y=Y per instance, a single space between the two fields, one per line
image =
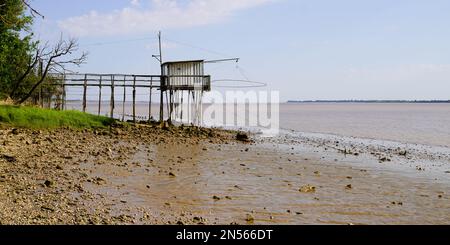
x=36 y=118
x=16 y=49
x=27 y=64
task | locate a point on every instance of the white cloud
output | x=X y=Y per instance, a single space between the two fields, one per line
x=164 y=14
x=135 y=2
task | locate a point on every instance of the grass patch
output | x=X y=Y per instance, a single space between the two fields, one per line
x=37 y=118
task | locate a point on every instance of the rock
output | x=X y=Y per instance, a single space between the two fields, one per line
x=99 y=181
x=172 y=174
x=8 y=158
x=348 y=187
x=242 y=137
x=117 y=131
x=384 y=159
x=398 y=203
x=46 y=208
x=216 y=198
x=250 y=219
x=49 y=183
x=402 y=153
x=15 y=131
x=308 y=189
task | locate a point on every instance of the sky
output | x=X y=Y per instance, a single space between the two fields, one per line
x=306 y=50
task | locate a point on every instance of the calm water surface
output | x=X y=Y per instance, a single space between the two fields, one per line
x=427 y=124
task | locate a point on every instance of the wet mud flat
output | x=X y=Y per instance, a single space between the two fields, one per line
x=148 y=175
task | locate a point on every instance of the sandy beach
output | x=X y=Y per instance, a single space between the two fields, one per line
x=148 y=175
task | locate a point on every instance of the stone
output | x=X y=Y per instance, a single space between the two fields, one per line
x=49 y=183
x=8 y=158
x=308 y=189
x=242 y=137
x=250 y=219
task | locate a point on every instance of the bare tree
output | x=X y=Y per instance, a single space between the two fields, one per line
x=31 y=65
x=54 y=61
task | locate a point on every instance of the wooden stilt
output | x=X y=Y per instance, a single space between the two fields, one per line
x=134 y=99
x=100 y=96
x=112 y=98
x=63 y=99
x=150 y=101
x=85 y=93
x=41 y=100
x=124 y=97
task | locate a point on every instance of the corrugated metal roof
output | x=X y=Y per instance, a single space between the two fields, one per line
x=183 y=61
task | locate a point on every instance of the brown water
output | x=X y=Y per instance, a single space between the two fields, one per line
x=427 y=124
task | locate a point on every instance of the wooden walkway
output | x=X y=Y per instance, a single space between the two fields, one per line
x=121 y=83
x=114 y=82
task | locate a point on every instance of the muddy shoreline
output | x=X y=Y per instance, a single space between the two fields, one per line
x=149 y=175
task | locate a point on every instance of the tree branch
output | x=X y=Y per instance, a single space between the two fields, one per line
x=33 y=11
x=61 y=49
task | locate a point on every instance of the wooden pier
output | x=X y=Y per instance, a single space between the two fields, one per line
x=120 y=84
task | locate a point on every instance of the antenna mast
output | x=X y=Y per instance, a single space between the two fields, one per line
x=161 y=101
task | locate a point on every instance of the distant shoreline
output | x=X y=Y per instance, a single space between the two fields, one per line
x=371 y=101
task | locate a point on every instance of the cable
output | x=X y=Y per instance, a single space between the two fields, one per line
x=117 y=42
x=253 y=84
x=199 y=48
